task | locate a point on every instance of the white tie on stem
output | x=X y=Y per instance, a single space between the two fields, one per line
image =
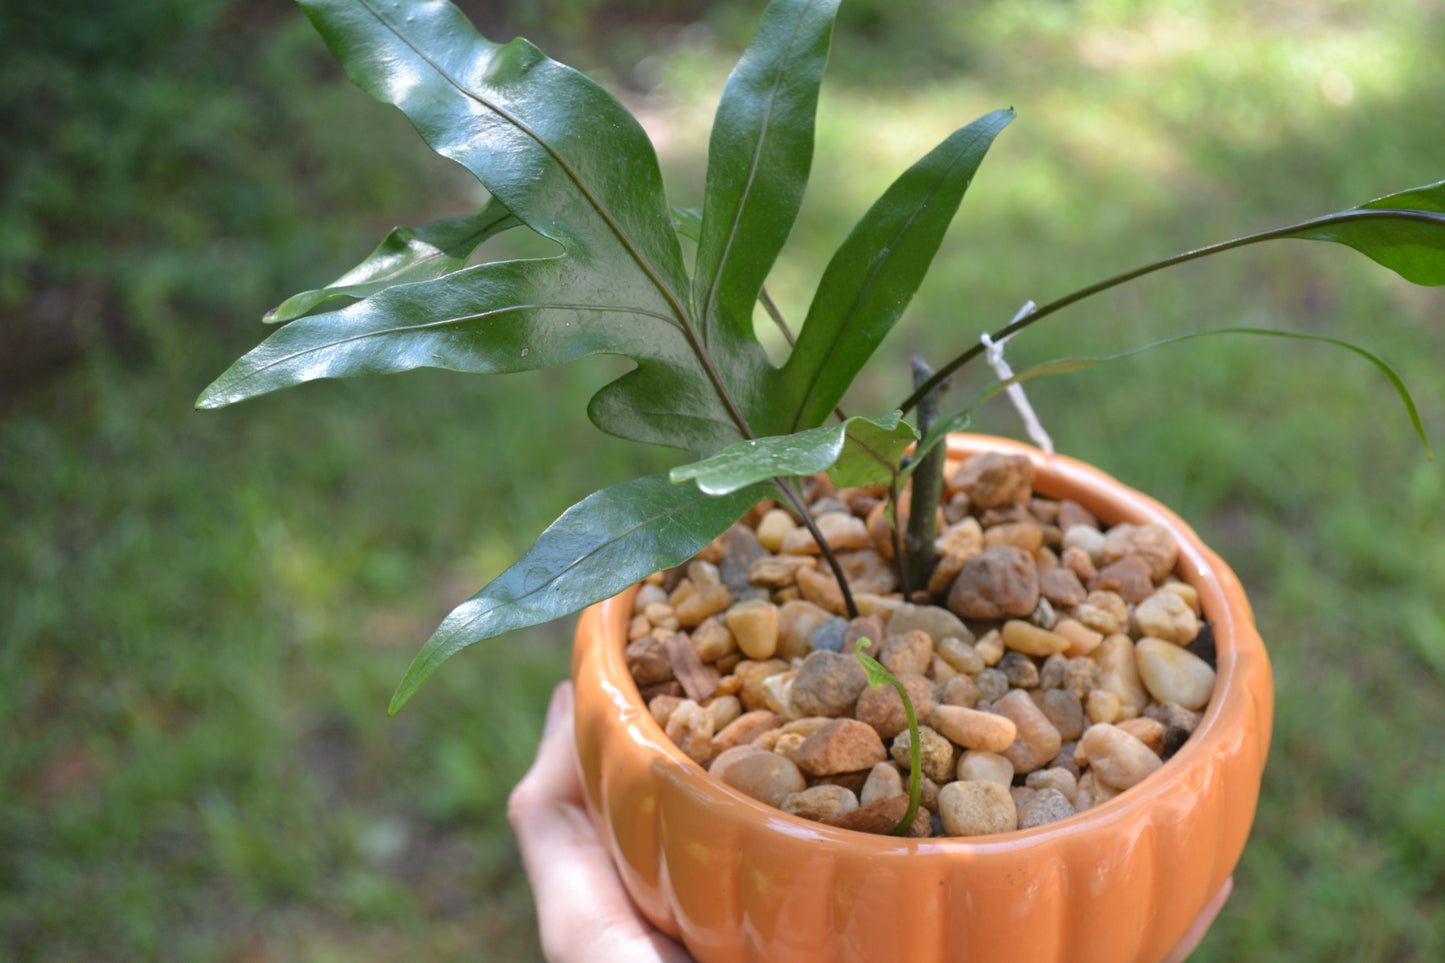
x=994 y=355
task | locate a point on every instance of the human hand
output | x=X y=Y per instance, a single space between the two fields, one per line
x=583 y=912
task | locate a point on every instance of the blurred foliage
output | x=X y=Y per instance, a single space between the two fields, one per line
x=201 y=617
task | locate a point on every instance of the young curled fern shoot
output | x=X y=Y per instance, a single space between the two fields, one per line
x=878 y=677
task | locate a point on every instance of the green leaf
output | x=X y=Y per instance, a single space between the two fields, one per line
x=1405 y=232
x=555 y=148
x=598 y=547
x=946 y=426
x=759 y=156
x=803 y=453
x=687 y=221
x=871 y=451
x=876 y=272
x=405 y=255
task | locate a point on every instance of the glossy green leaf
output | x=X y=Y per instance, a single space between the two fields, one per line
x=406 y=255
x=780 y=456
x=759 y=156
x=876 y=272
x=1405 y=232
x=608 y=541
x=957 y=422
x=871 y=451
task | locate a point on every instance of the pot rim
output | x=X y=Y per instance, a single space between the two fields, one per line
x=1240 y=656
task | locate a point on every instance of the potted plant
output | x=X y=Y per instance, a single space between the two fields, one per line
x=562 y=158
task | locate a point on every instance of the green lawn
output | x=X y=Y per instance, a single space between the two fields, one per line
x=202 y=615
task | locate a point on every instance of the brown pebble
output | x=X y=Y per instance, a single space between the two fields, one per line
x=828 y=684
x=882 y=816
x=840 y=745
x=882 y=708
x=744 y=729
x=1128 y=577
x=997 y=583
x=994 y=479
x=1037 y=741
x=976 y=809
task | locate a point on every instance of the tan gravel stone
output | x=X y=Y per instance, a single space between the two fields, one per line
x=1128 y=578
x=975 y=765
x=819 y=802
x=822 y=590
x=972 y=729
x=990 y=647
x=960 y=656
x=713 y=639
x=1172 y=674
x=1046 y=806
x=1029 y=639
x=1082 y=639
x=1066 y=711
x=1028 y=535
x=796 y=620
x=976 y=809
x=993 y=479
x=1062 y=586
x=1116 y=757
x=751 y=675
x=1104 y=612
x=744 y=729
x=779 y=571
x=773 y=527
x=960 y=690
x=1151 y=542
x=1058 y=779
x=936 y=754
x=647 y=660
x=1119 y=673
x=1037 y=741
x=910 y=653
x=1146 y=730
x=882 y=708
x=935 y=620
x=754 y=626
x=765 y=776
x=690 y=726
x=884 y=780
x=1165 y=615
x=1102 y=706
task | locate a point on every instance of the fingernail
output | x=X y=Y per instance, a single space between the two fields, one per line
x=557 y=708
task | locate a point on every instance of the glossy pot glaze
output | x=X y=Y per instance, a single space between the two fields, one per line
x=737 y=880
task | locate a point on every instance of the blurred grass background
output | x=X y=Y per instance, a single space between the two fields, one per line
x=203 y=614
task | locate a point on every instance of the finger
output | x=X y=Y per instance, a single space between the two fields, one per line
x=553 y=775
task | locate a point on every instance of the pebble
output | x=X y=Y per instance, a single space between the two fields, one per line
x=1056 y=778
x=1071 y=513
x=881 y=817
x=648 y=661
x=1102 y=706
x=1151 y=542
x=994 y=479
x=1119 y=673
x=935 y=620
x=796 y=619
x=1173 y=715
x=820 y=802
x=779 y=571
x=972 y=729
x=744 y=729
x=830 y=636
x=1027 y=535
x=822 y=590
x=1062 y=586
x=1020 y=671
x=884 y=781
x=773 y=526
x=1029 y=639
x=713 y=639
x=765 y=776
x=976 y=809
x=1046 y=806
x=648 y=594
x=868 y=573
x=910 y=653
x=960 y=656
x=754 y=626
x=1065 y=710
x=1115 y=757
x=882 y=708
x=1037 y=741
x=752 y=676
x=997 y=583
x=990 y=647
x=1128 y=578
x=1165 y=615
x=840 y=745
x=1148 y=731
x=992 y=684
x=1087 y=539
x=828 y=684
x=1104 y=612
x=960 y=690
x=1172 y=674
x=936 y=754
x=975 y=765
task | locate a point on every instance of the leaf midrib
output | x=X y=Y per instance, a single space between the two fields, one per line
x=678 y=309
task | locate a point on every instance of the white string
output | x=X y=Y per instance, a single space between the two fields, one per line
x=994 y=355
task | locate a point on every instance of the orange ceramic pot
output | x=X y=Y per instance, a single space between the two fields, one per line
x=735 y=879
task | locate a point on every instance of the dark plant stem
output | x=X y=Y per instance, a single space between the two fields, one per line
x=899 y=557
x=927 y=489
x=1038 y=314
x=800 y=507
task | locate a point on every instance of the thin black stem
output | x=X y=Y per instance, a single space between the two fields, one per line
x=801 y=508
x=1039 y=314
x=926 y=488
